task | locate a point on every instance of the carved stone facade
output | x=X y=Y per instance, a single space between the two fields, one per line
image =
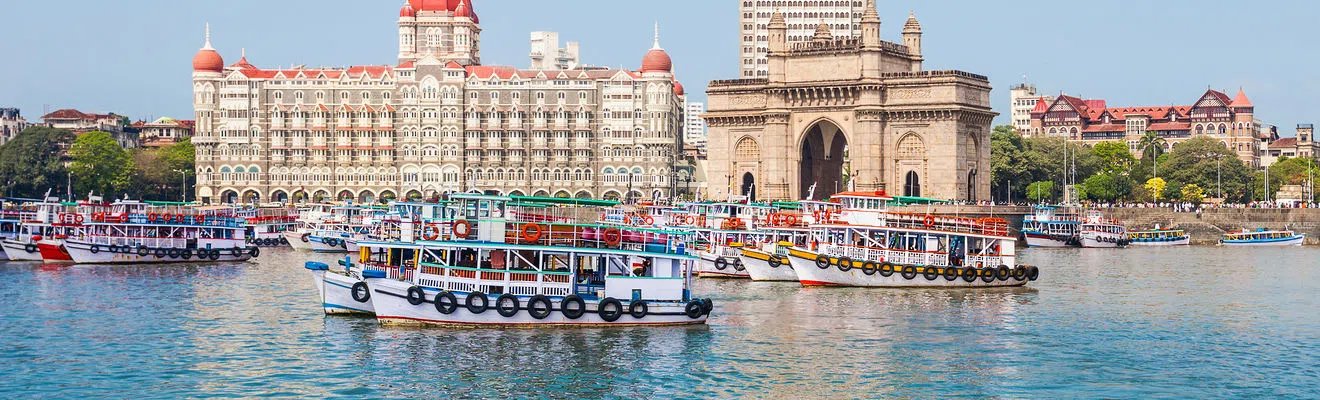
x=853 y=113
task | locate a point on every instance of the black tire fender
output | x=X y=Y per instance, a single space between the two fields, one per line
x=360 y=292
x=638 y=309
x=575 y=312
x=477 y=302
x=539 y=306
x=507 y=305
x=610 y=309
x=446 y=303
x=416 y=296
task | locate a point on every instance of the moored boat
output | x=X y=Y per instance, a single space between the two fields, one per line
x=1100 y=232
x=1050 y=226
x=1159 y=237
x=1264 y=237
x=134 y=232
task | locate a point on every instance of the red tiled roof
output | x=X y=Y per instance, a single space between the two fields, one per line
x=1241 y=100
x=68 y=113
x=1284 y=143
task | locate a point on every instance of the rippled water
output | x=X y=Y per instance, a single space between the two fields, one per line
x=1190 y=323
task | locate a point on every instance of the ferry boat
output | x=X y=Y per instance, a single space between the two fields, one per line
x=497 y=271
x=137 y=233
x=1050 y=226
x=12 y=215
x=335 y=233
x=266 y=225
x=1100 y=232
x=1263 y=237
x=784 y=230
x=721 y=230
x=1159 y=237
x=42 y=234
x=869 y=246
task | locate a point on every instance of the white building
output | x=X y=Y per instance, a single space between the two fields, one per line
x=546 y=53
x=1023 y=98
x=437 y=122
x=843 y=17
x=11 y=124
x=694 y=127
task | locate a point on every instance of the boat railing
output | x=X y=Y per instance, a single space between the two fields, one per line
x=151 y=242
x=516 y=282
x=880 y=255
x=981 y=226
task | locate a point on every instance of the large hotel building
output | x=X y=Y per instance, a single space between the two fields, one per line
x=436 y=121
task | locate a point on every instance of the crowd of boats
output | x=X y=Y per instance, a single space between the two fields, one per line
x=514 y=260
x=94 y=231
x=1050 y=226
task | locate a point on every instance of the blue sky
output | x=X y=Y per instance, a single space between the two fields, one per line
x=133 y=56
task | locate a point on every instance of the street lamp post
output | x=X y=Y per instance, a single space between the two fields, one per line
x=183 y=184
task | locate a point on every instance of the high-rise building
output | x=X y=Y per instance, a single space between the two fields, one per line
x=546 y=53
x=694 y=127
x=439 y=121
x=841 y=17
x=1023 y=98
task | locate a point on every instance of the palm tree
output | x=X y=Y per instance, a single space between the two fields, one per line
x=1153 y=145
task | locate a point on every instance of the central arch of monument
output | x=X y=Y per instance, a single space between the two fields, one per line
x=824 y=153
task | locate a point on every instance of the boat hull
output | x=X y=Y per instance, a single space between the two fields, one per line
x=19 y=251
x=87 y=253
x=53 y=251
x=760 y=269
x=1184 y=241
x=804 y=263
x=1294 y=241
x=1046 y=241
x=336 y=292
x=709 y=267
x=1092 y=240
x=389 y=297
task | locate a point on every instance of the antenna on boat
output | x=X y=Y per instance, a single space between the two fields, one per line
x=811 y=192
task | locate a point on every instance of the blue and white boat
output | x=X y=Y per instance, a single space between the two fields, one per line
x=498 y=266
x=1051 y=226
x=1264 y=237
x=1159 y=237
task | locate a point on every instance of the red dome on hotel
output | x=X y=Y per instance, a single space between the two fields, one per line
x=657 y=60
x=678 y=88
x=434 y=5
x=208 y=60
x=407 y=11
x=463 y=10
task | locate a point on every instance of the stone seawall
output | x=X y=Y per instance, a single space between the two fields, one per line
x=1204 y=229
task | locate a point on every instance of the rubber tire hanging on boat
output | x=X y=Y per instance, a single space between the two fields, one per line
x=869 y=268
x=416 y=296
x=1003 y=273
x=988 y=274
x=822 y=262
x=909 y=272
x=1032 y=273
x=142 y=251
x=1020 y=272
x=95 y=249
x=511 y=301
x=721 y=264
x=610 y=309
x=446 y=303
x=256 y=251
x=186 y=254
x=950 y=274
x=159 y=252
x=930 y=273
x=638 y=309
x=360 y=288
x=774 y=261
x=236 y=252
x=576 y=311
x=173 y=253
x=738 y=266
x=471 y=302
x=845 y=264
x=969 y=274
x=886 y=270
x=707 y=305
x=694 y=309
x=305 y=237
x=539 y=306
x=30 y=248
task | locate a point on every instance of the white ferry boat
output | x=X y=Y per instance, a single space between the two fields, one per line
x=868 y=246
x=41 y=236
x=1100 y=232
x=266 y=225
x=337 y=233
x=784 y=230
x=495 y=271
x=1051 y=226
x=12 y=215
x=1264 y=237
x=1159 y=237
x=138 y=233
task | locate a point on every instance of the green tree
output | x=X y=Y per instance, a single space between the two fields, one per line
x=1041 y=191
x=1156 y=188
x=158 y=173
x=99 y=164
x=1152 y=141
x=1207 y=163
x=1192 y=193
x=31 y=163
x=1113 y=157
x=1107 y=186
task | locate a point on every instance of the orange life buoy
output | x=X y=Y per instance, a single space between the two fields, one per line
x=430 y=232
x=613 y=237
x=200 y=219
x=929 y=221
x=648 y=221
x=793 y=220
x=153 y=217
x=77 y=218
x=531 y=232
x=462 y=229
x=98 y=217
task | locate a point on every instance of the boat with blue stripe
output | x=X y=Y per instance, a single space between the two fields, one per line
x=1264 y=237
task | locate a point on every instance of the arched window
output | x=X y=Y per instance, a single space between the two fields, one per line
x=912 y=184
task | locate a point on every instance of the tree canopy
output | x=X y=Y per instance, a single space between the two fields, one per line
x=99 y=164
x=31 y=163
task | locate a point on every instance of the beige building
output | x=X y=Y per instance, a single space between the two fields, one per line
x=439 y=121
x=801 y=18
x=1023 y=99
x=851 y=112
x=546 y=53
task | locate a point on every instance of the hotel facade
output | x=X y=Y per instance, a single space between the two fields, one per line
x=436 y=121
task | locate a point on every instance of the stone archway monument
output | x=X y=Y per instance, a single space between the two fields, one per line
x=850 y=113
